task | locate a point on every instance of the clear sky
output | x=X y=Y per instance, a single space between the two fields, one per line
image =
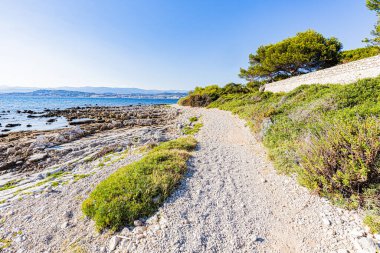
x=160 y=44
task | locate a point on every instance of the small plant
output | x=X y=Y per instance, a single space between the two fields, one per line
x=193 y=119
x=5 y=243
x=9 y=185
x=78 y=177
x=190 y=130
x=138 y=189
x=55 y=183
x=373 y=222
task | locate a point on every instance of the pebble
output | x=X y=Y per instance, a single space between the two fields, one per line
x=20 y=238
x=140 y=236
x=113 y=243
x=125 y=232
x=357 y=233
x=138 y=223
x=326 y=222
x=154 y=228
x=139 y=230
x=64 y=225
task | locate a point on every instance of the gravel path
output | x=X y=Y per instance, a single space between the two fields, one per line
x=233 y=201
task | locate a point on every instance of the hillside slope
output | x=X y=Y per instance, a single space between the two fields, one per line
x=341 y=74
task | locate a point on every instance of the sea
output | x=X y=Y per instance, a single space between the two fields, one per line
x=10 y=105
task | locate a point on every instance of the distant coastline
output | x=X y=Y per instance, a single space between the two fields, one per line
x=80 y=94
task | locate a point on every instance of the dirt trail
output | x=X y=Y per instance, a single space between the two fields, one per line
x=233 y=201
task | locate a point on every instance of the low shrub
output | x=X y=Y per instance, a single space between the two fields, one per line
x=358 y=54
x=342 y=159
x=202 y=97
x=138 y=189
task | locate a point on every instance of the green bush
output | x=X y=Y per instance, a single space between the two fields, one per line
x=358 y=54
x=342 y=159
x=138 y=189
x=202 y=97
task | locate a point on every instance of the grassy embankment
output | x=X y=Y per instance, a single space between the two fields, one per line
x=138 y=189
x=328 y=135
x=358 y=54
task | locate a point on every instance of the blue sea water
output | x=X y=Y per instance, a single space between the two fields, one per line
x=41 y=103
x=10 y=105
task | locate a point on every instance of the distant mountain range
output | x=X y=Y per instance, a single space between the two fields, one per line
x=90 y=89
x=89 y=92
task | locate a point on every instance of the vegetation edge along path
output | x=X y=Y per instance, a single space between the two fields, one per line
x=138 y=189
x=328 y=135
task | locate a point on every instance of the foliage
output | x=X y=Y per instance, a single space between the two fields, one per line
x=307 y=51
x=374 y=5
x=202 y=97
x=360 y=53
x=192 y=129
x=233 y=88
x=9 y=185
x=343 y=158
x=138 y=189
x=373 y=222
x=328 y=135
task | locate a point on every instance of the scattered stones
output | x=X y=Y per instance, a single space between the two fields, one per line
x=365 y=245
x=92 y=120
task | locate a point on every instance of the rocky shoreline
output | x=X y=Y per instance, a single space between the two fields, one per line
x=36 y=150
x=40 y=199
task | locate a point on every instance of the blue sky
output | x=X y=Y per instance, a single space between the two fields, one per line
x=171 y=44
